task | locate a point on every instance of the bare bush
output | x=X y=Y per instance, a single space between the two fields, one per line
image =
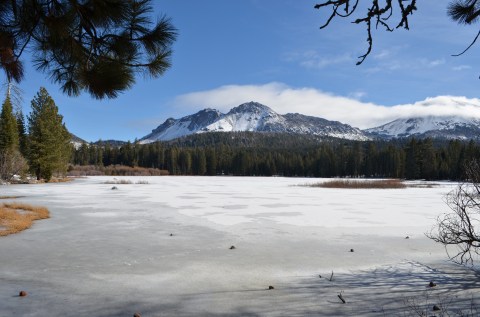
x=114 y=170
x=12 y=163
x=439 y=305
x=85 y=170
x=458 y=230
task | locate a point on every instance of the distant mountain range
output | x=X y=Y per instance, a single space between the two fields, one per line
x=251 y=116
x=255 y=117
x=445 y=127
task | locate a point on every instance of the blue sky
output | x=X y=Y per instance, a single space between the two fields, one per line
x=273 y=51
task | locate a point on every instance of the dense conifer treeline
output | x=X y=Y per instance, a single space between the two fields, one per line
x=45 y=150
x=253 y=154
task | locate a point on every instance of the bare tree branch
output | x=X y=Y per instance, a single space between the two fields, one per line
x=379 y=14
x=469 y=46
x=460 y=228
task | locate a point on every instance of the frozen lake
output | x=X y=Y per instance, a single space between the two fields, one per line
x=163 y=249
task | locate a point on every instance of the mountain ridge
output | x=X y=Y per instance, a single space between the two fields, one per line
x=254 y=117
x=442 y=126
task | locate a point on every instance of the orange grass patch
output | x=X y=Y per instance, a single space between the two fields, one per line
x=16 y=217
x=360 y=184
x=60 y=180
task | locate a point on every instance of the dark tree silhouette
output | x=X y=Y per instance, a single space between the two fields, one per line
x=394 y=14
x=460 y=229
x=96 y=46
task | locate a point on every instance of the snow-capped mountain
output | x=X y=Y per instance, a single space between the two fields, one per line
x=76 y=141
x=447 y=127
x=251 y=116
x=175 y=128
x=299 y=123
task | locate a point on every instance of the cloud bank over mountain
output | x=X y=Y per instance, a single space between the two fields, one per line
x=310 y=101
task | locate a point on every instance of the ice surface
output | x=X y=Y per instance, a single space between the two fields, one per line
x=162 y=249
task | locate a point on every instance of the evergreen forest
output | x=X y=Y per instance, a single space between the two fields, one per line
x=42 y=147
x=291 y=155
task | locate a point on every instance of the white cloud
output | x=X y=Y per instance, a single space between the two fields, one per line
x=432 y=63
x=357 y=95
x=313 y=60
x=383 y=54
x=310 y=101
x=461 y=67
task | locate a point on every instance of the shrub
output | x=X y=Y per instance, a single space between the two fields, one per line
x=114 y=170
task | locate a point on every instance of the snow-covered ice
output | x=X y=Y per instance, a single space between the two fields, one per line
x=163 y=249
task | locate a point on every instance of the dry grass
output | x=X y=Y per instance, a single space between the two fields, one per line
x=362 y=184
x=52 y=180
x=424 y=185
x=10 y=197
x=16 y=217
x=124 y=182
x=119 y=181
x=61 y=179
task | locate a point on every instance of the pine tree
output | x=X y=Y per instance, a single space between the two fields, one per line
x=49 y=139
x=211 y=162
x=94 y=46
x=11 y=161
x=8 y=128
x=22 y=133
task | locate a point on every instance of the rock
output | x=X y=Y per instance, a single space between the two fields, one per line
x=407 y=237
x=114 y=188
x=431 y=284
x=171 y=234
x=22 y=294
x=271 y=287
x=436 y=308
x=351 y=250
x=232 y=247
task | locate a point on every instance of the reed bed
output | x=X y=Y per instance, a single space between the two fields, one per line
x=361 y=184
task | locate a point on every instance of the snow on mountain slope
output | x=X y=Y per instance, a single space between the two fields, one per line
x=76 y=141
x=299 y=123
x=251 y=116
x=175 y=128
x=450 y=127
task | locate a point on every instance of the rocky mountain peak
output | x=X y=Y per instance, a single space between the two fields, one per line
x=251 y=116
x=250 y=107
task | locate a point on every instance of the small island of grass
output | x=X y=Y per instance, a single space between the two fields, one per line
x=16 y=217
